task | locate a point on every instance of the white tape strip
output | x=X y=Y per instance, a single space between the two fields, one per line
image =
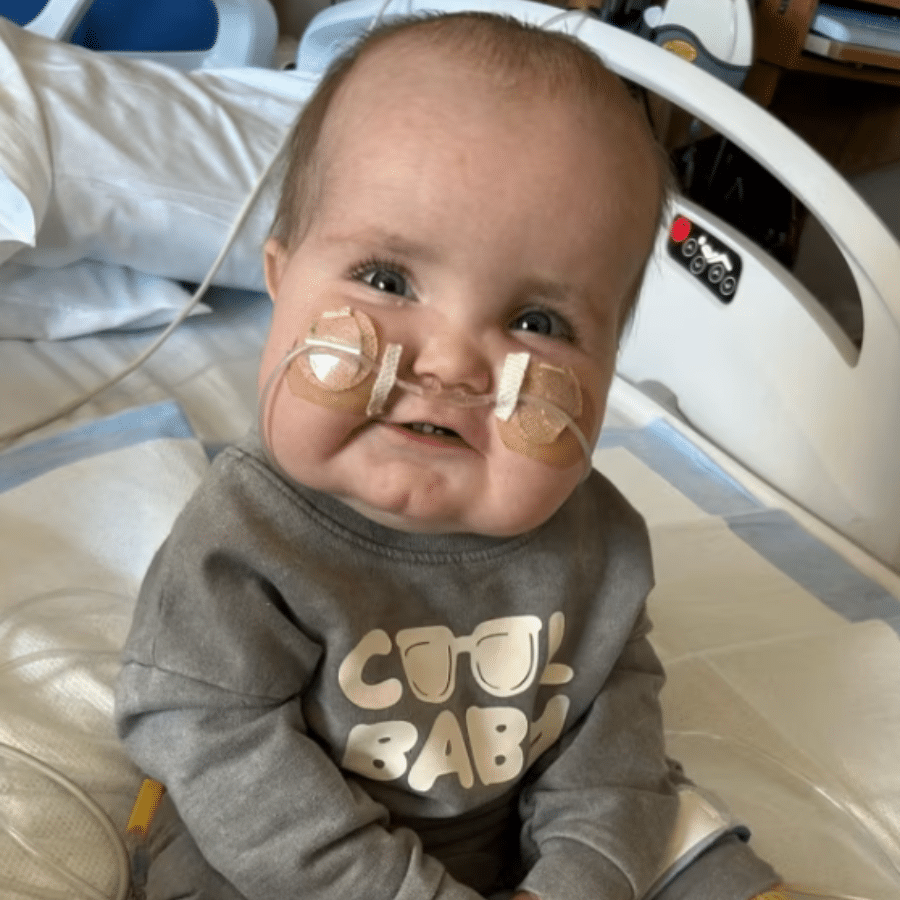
x=387 y=377
x=514 y=368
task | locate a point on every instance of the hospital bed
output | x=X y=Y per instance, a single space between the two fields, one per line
x=759 y=443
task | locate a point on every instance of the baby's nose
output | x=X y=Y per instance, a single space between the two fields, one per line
x=452 y=359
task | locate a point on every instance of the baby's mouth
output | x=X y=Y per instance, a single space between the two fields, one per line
x=437 y=435
x=428 y=428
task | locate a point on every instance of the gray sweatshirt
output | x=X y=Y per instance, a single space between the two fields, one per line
x=341 y=710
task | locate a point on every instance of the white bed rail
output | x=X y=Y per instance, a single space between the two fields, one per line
x=769 y=376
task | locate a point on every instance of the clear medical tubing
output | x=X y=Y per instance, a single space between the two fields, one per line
x=750 y=763
x=22 y=430
x=380 y=392
x=53 y=646
x=37 y=846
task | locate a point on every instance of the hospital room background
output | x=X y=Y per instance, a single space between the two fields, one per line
x=138 y=146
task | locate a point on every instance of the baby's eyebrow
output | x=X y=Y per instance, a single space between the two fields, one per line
x=583 y=309
x=565 y=298
x=558 y=292
x=378 y=239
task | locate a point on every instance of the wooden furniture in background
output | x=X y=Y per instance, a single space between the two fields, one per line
x=782 y=27
x=849 y=109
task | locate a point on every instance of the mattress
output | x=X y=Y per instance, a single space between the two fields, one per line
x=781 y=639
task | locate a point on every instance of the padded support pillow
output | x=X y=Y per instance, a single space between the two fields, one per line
x=133 y=164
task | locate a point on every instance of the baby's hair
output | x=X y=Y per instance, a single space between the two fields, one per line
x=517 y=56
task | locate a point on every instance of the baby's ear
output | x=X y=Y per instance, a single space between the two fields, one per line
x=275 y=257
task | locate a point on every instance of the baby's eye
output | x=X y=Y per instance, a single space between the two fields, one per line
x=543 y=322
x=385 y=278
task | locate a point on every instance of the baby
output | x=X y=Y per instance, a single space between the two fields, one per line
x=396 y=645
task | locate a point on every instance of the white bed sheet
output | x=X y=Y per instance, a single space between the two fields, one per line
x=782 y=642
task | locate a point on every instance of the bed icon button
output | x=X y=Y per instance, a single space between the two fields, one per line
x=728 y=286
x=697 y=264
x=707 y=258
x=716 y=273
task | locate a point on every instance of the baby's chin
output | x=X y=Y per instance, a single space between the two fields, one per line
x=405 y=517
x=507 y=521
x=399 y=521
x=503 y=497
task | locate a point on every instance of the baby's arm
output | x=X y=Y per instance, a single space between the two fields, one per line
x=271 y=813
x=209 y=704
x=597 y=819
x=600 y=807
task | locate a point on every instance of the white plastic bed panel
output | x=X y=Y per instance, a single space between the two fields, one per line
x=771 y=378
x=767 y=377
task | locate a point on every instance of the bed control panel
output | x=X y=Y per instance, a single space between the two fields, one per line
x=710 y=261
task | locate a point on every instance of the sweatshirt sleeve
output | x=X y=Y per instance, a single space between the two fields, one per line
x=266 y=805
x=729 y=870
x=598 y=815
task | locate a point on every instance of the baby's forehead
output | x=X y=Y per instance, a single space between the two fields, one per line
x=405 y=68
x=524 y=60
x=403 y=82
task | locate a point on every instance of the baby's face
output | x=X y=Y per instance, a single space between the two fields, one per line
x=464 y=225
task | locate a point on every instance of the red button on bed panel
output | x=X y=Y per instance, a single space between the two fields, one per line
x=681 y=228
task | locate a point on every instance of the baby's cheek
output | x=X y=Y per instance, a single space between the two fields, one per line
x=302 y=438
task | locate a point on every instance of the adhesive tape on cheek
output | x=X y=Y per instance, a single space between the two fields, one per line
x=545 y=392
x=545 y=425
x=341 y=347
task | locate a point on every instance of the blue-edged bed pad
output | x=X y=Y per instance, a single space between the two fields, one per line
x=782 y=641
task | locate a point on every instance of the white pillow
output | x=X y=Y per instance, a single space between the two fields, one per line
x=84 y=297
x=133 y=163
x=25 y=175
